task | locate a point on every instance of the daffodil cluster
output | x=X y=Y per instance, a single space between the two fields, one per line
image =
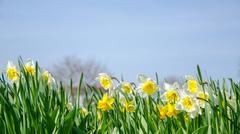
x=14 y=73
x=175 y=98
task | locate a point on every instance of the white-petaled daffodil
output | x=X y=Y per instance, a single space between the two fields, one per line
x=147 y=86
x=192 y=84
x=202 y=98
x=171 y=94
x=105 y=81
x=29 y=67
x=48 y=77
x=189 y=104
x=126 y=87
x=12 y=72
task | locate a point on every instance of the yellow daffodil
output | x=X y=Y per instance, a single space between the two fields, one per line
x=106 y=103
x=147 y=85
x=126 y=87
x=105 y=81
x=29 y=67
x=169 y=110
x=162 y=112
x=12 y=72
x=129 y=106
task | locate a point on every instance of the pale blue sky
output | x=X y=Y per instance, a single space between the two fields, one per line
x=128 y=36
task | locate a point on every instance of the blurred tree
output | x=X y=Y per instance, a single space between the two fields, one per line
x=71 y=67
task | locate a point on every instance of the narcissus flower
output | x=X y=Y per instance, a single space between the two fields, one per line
x=128 y=106
x=106 y=103
x=147 y=85
x=126 y=87
x=188 y=104
x=48 y=77
x=12 y=72
x=171 y=93
x=202 y=98
x=29 y=67
x=192 y=84
x=162 y=112
x=169 y=110
x=105 y=81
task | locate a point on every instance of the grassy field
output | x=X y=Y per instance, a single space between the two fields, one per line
x=32 y=101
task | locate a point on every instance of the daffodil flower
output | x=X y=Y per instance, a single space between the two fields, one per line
x=128 y=106
x=126 y=87
x=106 y=103
x=189 y=104
x=192 y=84
x=29 y=67
x=147 y=85
x=105 y=81
x=202 y=98
x=162 y=112
x=169 y=110
x=48 y=77
x=171 y=92
x=12 y=72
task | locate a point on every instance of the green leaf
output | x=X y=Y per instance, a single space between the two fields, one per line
x=201 y=130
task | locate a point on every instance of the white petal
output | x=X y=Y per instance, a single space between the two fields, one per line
x=29 y=63
x=10 y=64
x=167 y=86
x=189 y=77
x=142 y=78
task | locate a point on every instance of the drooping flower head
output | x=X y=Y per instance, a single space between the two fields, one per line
x=126 y=87
x=202 y=98
x=106 y=103
x=48 y=77
x=147 y=85
x=105 y=81
x=12 y=72
x=128 y=106
x=29 y=67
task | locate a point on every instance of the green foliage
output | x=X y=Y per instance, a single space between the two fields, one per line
x=32 y=105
